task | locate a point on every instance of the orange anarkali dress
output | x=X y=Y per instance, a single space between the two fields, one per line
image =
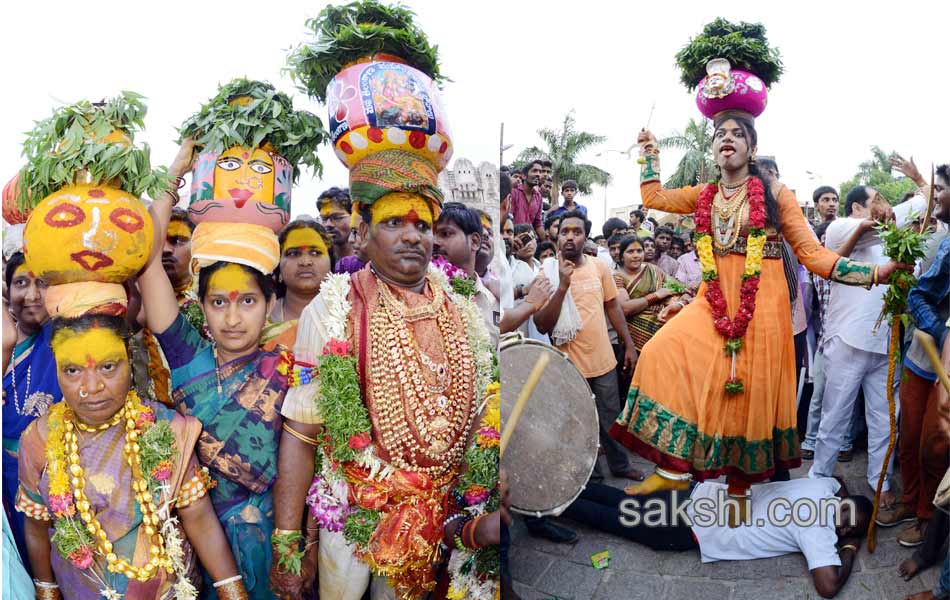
x=677 y=413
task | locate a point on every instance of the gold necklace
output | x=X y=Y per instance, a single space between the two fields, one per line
x=425 y=311
x=93 y=428
x=726 y=207
x=413 y=421
x=158 y=557
x=727 y=224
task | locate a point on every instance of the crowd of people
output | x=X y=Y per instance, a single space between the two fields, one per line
x=813 y=382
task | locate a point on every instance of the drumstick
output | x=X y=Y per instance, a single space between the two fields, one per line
x=526 y=392
x=930 y=348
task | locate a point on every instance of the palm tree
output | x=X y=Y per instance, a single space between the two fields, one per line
x=697 y=164
x=563 y=148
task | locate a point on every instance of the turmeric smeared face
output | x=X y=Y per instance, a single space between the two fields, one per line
x=88 y=233
x=235 y=308
x=242 y=174
x=93 y=371
x=304 y=261
x=399 y=240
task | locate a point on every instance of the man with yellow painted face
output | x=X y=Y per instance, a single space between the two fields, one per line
x=368 y=336
x=336 y=206
x=176 y=252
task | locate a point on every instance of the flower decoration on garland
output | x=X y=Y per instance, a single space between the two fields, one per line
x=459 y=280
x=732 y=329
x=474 y=573
x=78 y=536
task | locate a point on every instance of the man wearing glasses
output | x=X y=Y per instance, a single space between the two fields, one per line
x=335 y=205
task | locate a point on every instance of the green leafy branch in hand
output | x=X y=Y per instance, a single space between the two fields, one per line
x=358 y=30
x=744 y=45
x=904 y=245
x=674 y=286
x=269 y=117
x=72 y=141
x=287 y=548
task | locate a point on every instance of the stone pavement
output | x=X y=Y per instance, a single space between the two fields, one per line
x=544 y=570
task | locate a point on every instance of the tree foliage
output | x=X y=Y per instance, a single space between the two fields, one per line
x=562 y=148
x=876 y=172
x=697 y=165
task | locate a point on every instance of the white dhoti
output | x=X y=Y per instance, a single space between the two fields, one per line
x=345 y=577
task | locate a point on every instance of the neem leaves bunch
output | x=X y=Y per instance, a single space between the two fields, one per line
x=268 y=116
x=744 y=45
x=73 y=140
x=357 y=30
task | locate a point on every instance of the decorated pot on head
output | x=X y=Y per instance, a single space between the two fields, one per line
x=728 y=77
x=89 y=226
x=12 y=213
x=379 y=76
x=252 y=144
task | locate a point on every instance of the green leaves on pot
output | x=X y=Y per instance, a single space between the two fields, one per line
x=744 y=45
x=357 y=30
x=72 y=140
x=268 y=116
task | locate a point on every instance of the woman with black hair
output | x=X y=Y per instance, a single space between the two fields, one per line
x=714 y=390
x=306 y=255
x=29 y=380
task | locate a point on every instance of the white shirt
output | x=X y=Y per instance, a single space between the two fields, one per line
x=502 y=270
x=487 y=304
x=853 y=310
x=523 y=274
x=604 y=255
x=721 y=542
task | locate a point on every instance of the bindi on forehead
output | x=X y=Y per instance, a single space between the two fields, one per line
x=245 y=155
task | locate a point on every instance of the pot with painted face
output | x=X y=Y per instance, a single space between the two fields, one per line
x=86 y=232
x=242 y=185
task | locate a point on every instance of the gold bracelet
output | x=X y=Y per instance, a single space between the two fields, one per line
x=847 y=546
x=46 y=590
x=231 y=589
x=874 y=277
x=277 y=531
x=306 y=440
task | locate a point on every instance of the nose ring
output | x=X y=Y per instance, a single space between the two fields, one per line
x=83 y=393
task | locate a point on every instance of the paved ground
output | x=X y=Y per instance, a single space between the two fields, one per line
x=543 y=570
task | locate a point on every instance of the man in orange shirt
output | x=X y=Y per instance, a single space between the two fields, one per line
x=574 y=317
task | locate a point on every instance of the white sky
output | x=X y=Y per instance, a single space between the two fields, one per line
x=857 y=74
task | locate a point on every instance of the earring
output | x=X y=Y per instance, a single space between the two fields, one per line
x=752 y=159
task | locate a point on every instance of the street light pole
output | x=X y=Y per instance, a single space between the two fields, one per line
x=606 y=155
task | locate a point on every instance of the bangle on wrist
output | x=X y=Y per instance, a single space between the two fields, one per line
x=852 y=547
x=231 y=588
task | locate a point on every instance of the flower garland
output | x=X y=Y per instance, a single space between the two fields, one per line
x=474 y=573
x=150 y=451
x=348 y=429
x=459 y=281
x=732 y=329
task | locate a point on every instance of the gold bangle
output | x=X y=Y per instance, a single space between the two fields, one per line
x=847 y=546
x=46 y=590
x=231 y=589
x=277 y=531
x=306 y=440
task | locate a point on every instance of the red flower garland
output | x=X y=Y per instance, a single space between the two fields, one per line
x=732 y=329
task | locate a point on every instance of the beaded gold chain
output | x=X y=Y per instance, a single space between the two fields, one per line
x=412 y=419
x=158 y=557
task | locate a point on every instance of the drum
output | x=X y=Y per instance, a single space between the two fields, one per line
x=553 y=448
